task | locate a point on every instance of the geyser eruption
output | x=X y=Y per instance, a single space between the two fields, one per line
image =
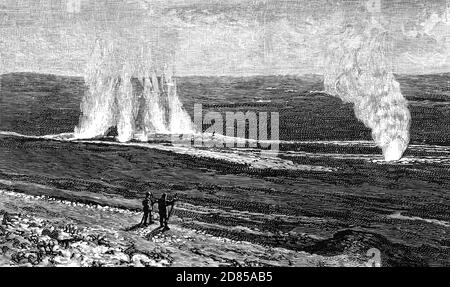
x=357 y=70
x=126 y=91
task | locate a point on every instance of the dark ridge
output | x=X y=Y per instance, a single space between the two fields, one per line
x=392 y=254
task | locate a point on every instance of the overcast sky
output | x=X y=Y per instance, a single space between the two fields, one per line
x=212 y=37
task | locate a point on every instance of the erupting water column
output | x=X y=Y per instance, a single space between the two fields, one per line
x=114 y=98
x=357 y=70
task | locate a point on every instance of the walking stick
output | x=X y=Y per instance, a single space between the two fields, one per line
x=142 y=220
x=171 y=210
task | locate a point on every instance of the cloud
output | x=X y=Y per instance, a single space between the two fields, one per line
x=212 y=37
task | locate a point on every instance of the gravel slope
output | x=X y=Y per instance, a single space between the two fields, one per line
x=41 y=231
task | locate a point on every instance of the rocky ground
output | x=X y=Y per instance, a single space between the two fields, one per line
x=41 y=231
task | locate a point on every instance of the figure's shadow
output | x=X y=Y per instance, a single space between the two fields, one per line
x=149 y=235
x=140 y=225
x=155 y=232
x=134 y=227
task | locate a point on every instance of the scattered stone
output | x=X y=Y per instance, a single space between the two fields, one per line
x=140 y=260
x=46 y=232
x=4 y=249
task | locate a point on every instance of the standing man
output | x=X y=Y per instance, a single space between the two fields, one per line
x=162 y=206
x=147 y=209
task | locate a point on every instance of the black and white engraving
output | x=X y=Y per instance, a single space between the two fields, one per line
x=256 y=133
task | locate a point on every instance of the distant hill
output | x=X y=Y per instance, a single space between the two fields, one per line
x=426 y=87
x=432 y=87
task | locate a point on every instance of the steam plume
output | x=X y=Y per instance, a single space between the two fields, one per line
x=126 y=91
x=357 y=69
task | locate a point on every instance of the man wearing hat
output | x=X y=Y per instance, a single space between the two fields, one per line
x=162 y=206
x=147 y=209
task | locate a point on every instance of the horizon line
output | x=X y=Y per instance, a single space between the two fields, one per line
x=216 y=76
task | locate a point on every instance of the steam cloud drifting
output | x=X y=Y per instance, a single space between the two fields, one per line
x=128 y=91
x=357 y=70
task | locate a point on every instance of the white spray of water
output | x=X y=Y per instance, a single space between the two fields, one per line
x=99 y=103
x=126 y=91
x=126 y=106
x=154 y=118
x=179 y=121
x=358 y=70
